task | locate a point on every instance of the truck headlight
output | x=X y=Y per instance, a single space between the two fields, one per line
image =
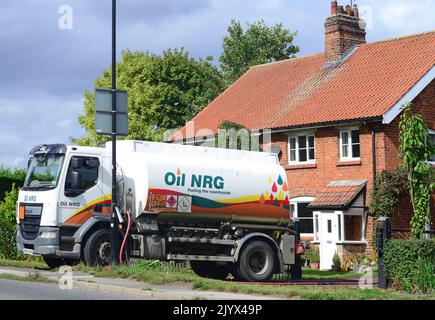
x=48 y=235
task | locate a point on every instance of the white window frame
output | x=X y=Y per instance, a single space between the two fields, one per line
x=295 y=202
x=341 y=216
x=296 y=137
x=350 y=156
x=432 y=135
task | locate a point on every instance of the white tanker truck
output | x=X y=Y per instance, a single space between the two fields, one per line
x=225 y=211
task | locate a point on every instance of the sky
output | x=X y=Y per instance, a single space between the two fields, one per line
x=51 y=51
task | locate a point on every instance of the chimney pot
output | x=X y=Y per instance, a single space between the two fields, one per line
x=334 y=5
x=343 y=31
x=355 y=11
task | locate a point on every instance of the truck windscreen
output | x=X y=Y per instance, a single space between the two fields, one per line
x=43 y=171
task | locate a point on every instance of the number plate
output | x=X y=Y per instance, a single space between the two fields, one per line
x=28 y=251
x=33 y=211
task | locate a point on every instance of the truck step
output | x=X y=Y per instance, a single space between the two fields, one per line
x=200 y=258
x=202 y=240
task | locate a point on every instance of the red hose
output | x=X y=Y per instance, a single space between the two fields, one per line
x=125 y=237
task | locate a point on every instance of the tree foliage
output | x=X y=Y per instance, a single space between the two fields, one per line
x=164 y=92
x=415 y=150
x=7 y=225
x=258 y=44
x=386 y=193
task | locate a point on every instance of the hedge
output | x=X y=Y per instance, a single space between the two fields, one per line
x=410 y=264
x=8 y=178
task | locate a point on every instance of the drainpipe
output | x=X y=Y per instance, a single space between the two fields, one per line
x=374 y=155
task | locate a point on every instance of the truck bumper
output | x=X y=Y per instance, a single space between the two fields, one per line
x=39 y=246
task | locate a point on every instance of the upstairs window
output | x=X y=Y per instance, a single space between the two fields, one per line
x=349 y=145
x=301 y=149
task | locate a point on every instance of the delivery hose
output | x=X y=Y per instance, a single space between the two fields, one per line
x=125 y=237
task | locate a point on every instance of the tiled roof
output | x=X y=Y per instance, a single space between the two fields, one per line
x=338 y=195
x=305 y=91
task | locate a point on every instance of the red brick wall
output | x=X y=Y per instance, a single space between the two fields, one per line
x=310 y=179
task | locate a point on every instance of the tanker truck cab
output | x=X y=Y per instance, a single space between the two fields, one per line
x=223 y=211
x=63 y=189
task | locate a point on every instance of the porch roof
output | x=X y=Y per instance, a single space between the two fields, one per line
x=338 y=195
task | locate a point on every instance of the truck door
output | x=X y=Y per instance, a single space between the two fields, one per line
x=82 y=192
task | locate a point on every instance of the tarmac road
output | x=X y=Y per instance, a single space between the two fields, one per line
x=20 y=290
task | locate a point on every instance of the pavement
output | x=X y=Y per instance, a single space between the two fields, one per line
x=82 y=286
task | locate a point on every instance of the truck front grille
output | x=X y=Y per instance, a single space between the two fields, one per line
x=29 y=227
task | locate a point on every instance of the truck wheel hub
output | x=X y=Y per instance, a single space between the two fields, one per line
x=258 y=262
x=104 y=252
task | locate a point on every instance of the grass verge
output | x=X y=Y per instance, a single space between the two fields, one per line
x=156 y=273
x=32 y=277
x=32 y=263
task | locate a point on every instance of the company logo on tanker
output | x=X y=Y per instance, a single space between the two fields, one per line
x=196 y=180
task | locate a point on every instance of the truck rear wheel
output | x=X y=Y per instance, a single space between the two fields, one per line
x=97 y=249
x=210 y=269
x=256 y=262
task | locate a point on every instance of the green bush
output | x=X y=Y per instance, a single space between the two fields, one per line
x=410 y=264
x=8 y=248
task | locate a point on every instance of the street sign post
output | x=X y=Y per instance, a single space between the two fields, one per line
x=104 y=113
x=111 y=118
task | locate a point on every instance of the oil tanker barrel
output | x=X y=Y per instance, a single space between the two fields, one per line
x=183 y=183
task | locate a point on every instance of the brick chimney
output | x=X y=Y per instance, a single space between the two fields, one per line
x=343 y=29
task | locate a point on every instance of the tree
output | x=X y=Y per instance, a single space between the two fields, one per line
x=258 y=44
x=164 y=92
x=415 y=150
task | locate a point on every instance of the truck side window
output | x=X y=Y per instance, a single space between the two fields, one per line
x=86 y=168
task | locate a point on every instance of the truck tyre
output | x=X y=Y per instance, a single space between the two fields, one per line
x=256 y=263
x=53 y=263
x=210 y=269
x=97 y=249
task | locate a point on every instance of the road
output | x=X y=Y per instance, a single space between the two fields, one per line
x=88 y=287
x=20 y=290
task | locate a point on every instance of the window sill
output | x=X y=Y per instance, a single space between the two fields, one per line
x=352 y=242
x=301 y=166
x=349 y=163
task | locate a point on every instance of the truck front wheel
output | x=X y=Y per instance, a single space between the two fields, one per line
x=54 y=263
x=210 y=269
x=97 y=249
x=256 y=262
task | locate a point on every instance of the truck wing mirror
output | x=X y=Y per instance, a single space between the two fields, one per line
x=75 y=184
x=76 y=163
x=76 y=180
x=92 y=163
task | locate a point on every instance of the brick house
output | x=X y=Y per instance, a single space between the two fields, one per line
x=334 y=121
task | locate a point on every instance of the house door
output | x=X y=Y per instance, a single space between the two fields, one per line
x=328 y=239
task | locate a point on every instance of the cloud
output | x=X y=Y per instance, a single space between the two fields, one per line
x=400 y=17
x=28 y=122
